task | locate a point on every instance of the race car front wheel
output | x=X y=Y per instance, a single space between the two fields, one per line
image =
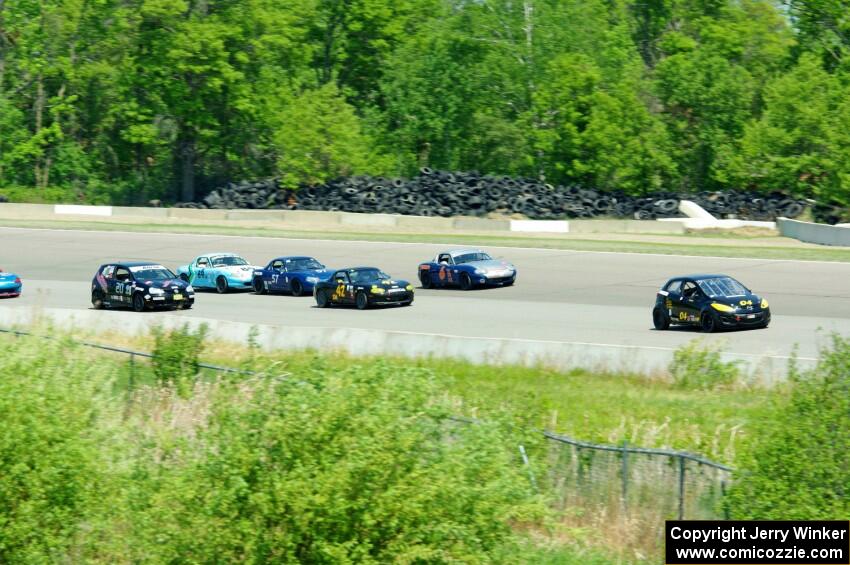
x=297 y=289
x=425 y=279
x=362 y=301
x=138 y=302
x=97 y=300
x=322 y=299
x=465 y=281
x=660 y=319
x=221 y=285
x=708 y=323
x=259 y=287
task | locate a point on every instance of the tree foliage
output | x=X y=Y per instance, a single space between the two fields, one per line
x=140 y=99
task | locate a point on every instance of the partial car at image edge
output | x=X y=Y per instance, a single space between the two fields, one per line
x=10 y=285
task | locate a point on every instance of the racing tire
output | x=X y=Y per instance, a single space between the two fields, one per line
x=660 y=319
x=297 y=288
x=221 y=285
x=97 y=300
x=184 y=277
x=361 y=300
x=465 y=281
x=763 y=325
x=184 y=306
x=138 y=302
x=322 y=299
x=425 y=279
x=708 y=323
x=259 y=287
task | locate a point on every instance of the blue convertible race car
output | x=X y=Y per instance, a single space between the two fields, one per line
x=466 y=268
x=10 y=285
x=296 y=275
x=221 y=271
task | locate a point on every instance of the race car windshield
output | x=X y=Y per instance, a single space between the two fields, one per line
x=160 y=274
x=470 y=257
x=367 y=275
x=232 y=261
x=304 y=265
x=722 y=287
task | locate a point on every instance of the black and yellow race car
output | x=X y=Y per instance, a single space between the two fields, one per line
x=711 y=302
x=362 y=287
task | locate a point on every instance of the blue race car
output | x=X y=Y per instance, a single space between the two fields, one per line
x=221 y=271
x=467 y=269
x=296 y=275
x=10 y=285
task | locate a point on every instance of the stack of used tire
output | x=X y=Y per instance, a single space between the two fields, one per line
x=440 y=193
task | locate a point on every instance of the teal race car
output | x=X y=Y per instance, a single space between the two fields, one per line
x=222 y=271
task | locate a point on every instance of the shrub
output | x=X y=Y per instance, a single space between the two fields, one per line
x=51 y=457
x=176 y=354
x=796 y=465
x=698 y=366
x=360 y=465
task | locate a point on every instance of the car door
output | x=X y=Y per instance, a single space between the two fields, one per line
x=278 y=278
x=689 y=304
x=447 y=273
x=202 y=271
x=122 y=284
x=107 y=281
x=342 y=293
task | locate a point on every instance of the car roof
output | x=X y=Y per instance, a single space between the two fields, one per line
x=359 y=269
x=700 y=276
x=225 y=254
x=133 y=263
x=456 y=252
x=291 y=257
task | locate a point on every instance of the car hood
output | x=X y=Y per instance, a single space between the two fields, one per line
x=387 y=283
x=492 y=264
x=168 y=284
x=321 y=274
x=238 y=270
x=735 y=302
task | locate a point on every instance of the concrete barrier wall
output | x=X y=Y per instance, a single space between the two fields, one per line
x=814 y=233
x=651 y=361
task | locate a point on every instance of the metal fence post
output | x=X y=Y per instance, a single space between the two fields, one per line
x=625 y=472
x=528 y=465
x=681 y=488
x=132 y=382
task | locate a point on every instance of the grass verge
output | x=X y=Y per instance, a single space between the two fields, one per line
x=733 y=246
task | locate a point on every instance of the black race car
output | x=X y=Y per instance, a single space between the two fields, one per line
x=139 y=286
x=363 y=287
x=712 y=302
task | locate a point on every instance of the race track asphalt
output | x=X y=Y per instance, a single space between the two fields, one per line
x=560 y=295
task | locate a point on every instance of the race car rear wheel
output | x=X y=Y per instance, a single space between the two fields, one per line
x=660 y=319
x=138 y=302
x=465 y=281
x=708 y=323
x=221 y=285
x=425 y=279
x=259 y=287
x=297 y=288
x=362 y=300
x=97 y=300
x=322 y=298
